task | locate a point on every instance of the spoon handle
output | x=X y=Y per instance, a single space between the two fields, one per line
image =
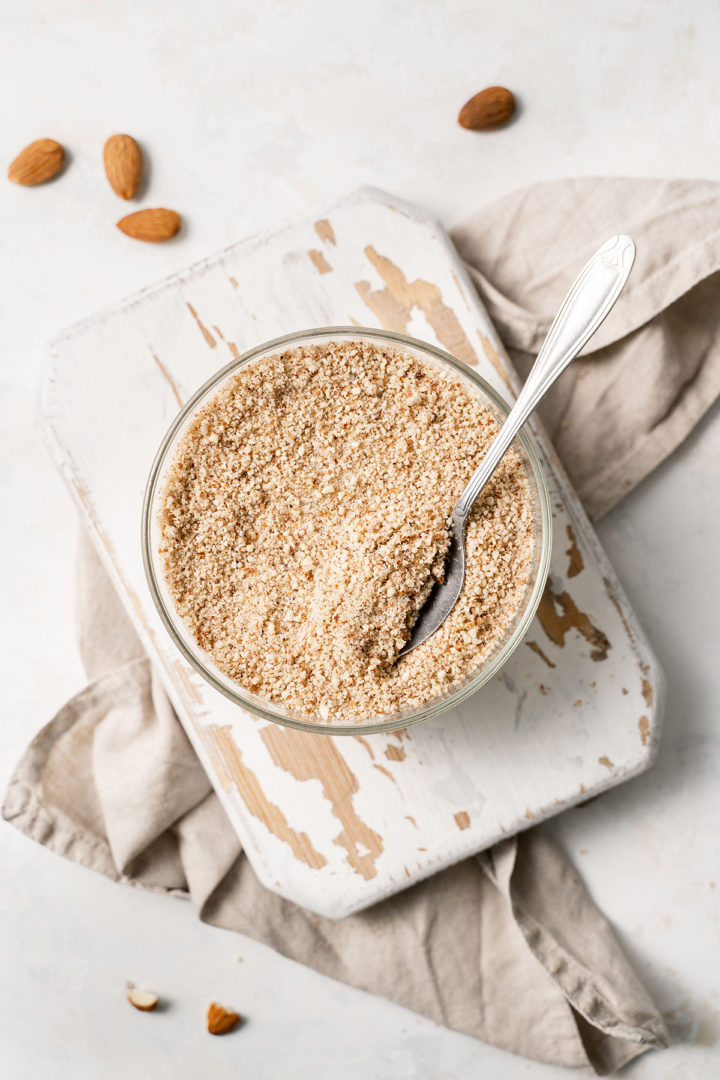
x=591 y=297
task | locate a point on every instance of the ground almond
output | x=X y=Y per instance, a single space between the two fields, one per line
x=304 y=521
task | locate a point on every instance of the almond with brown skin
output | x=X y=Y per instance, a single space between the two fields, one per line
x=123 y=162
x=38 y=162
x=489 y=109
x=154 y=226
x=221 y=1020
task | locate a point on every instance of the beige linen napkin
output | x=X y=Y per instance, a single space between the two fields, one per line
x=653 y=368
x=506 y=946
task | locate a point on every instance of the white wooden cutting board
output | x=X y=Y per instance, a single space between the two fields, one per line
x=337 y=823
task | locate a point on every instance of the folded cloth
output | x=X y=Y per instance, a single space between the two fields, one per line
x=506 y=946
x=653 y=368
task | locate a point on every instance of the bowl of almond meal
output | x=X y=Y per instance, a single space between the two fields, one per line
x=295 y=521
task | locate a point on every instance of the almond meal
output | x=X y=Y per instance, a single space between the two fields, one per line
x=303 y=522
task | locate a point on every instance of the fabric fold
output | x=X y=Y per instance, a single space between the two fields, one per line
x=653 y=368
x=529 y=245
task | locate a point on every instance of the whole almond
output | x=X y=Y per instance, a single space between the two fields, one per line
x=38 y=162
x=151 y=225
x=221 y=1020
x=489 y=109
x=123 y=162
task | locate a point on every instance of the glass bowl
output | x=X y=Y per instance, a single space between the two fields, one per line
x=267 y=709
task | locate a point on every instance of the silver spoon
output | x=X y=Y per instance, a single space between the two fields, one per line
x=591 y=297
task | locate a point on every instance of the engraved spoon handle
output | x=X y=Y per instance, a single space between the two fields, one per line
x=591 y=297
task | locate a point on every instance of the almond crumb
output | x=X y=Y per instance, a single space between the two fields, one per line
x=221 y=1020
x=343 y=462
x=143 y=1000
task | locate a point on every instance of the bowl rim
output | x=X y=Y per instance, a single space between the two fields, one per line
x=258 y=706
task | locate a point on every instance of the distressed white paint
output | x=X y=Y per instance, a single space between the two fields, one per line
x=530 y=743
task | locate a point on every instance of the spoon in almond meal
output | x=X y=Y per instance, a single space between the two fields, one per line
x=591 y=297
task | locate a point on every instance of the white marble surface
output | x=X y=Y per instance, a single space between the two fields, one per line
x=251 y=114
